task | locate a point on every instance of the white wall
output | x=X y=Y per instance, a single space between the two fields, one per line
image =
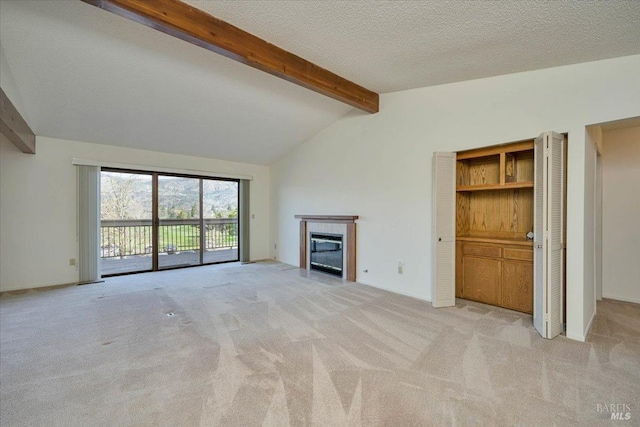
x=621 y=214
x=379 y=166
x=38 y=205
x=593 y=141
x=594 y=135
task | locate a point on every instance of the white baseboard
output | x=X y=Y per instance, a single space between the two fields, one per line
x=583 y=337
x=585 y=334
x=619 y=298
x=588 y=328
x=395 y=291
x=32 y=287
x=576 y=337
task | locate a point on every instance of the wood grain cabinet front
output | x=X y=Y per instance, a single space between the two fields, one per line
x=517 y=285
x=482 y=279
x=496 y=274
x=494 y=213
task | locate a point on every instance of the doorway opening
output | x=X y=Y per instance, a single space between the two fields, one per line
x=615 y=153
x=156 y=221
x=499 y=228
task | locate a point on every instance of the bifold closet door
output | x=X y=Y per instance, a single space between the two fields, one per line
x=443 y=284
x=548 y=262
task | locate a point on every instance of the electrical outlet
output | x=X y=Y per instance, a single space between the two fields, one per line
x=253 y=216
x=72 y=262
x=400 y=267
x=275 y=246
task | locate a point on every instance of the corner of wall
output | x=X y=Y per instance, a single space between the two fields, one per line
x=585 y=333
x=581 y=338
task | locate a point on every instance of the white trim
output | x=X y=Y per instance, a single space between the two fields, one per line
x=44 y=285
x=619 y=298
x=588 y=328
x=89 y=162
x=395 y=291
x=581 y=338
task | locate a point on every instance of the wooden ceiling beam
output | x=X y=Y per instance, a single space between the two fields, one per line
x=195 y=26
x=14 y=127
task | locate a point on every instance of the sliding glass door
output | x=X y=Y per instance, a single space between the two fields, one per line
x=179 y=221
x=220 y=212
x=126 y=234
x=196 y=221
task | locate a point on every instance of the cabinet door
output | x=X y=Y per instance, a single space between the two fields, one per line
x=517 y=285
x=482 y=279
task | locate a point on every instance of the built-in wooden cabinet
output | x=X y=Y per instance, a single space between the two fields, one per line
x=494 y=213
x=483 y=228
x=495 y=273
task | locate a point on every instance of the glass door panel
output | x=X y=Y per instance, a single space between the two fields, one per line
x=179 y=221
x=220 y=213
x=126 y=235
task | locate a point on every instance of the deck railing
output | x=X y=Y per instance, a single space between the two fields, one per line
x=119 y=238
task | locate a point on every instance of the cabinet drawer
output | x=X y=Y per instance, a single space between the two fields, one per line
x=521 y=254
x=485 y=251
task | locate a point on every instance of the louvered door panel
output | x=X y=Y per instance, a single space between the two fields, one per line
x=555 y=241
x=444 y=230
x=539 y=203
x=549 y=234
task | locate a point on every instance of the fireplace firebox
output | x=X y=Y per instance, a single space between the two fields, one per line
x=326 y=253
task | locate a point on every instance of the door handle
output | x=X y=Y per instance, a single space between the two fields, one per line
x=439 y=239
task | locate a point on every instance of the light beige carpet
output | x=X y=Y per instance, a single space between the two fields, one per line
x=263 y=345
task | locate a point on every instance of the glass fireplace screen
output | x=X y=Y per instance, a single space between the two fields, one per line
x=326 y=253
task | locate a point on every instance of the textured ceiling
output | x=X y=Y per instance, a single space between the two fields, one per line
x=388 y=46
x=85 y=74
x=621 y=124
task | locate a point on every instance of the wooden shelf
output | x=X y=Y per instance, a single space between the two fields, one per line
x=503 y=241
x=489 y=187
x=488 y=151
x=494 y=259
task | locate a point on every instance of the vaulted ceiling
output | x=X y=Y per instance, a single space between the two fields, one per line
x=85 y=74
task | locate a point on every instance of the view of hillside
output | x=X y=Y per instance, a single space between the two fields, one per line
x=129 y=196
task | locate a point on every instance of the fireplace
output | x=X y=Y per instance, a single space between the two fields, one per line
x=326 y=253
x=338 y=244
